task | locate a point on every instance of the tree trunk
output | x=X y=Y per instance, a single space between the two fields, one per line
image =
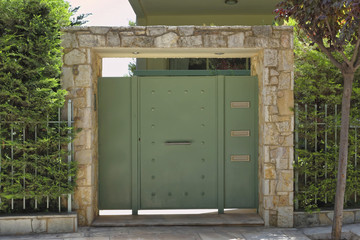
x=343 y=156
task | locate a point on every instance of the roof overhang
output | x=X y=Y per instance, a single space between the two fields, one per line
x=144 y=8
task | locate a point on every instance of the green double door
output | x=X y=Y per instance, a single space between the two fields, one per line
x=170 y=142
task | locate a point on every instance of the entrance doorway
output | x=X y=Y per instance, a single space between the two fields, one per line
x=178 y=142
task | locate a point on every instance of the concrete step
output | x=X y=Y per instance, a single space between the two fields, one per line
x=242 y=219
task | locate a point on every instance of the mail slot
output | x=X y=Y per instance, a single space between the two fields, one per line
x=240 y=158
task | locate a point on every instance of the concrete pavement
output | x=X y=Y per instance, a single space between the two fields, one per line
x=193 y=232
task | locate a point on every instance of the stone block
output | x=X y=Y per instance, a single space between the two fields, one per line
x=271 y=134
x=155 y=30
x=274 y=43
x=81 y=216
x=282 y=163
x=266 y=216
x=113 y=39
x=84 y=118
x=90 y=40
x=99 y=30
x=261 y=42
x=291 y=158
x=262 y=31
x=79 y=102
x=136 y=41
x=84 y=156
x=249 y=42
x=90 y=214
x=83 y=196
x=266 y=187
x=357 y=216
x=127 y=34
x=13 y=226
x=349 y=217
x=273 y=110
x=273 y=81
x=214 y=41
x=285 y=217
x=167 y=40
x=285 y=181
x=285 y=102
x=193 y=41
x=283 y=126
x=287 y=140
x=140 y=32
x=303 y=219
x=271 y=202
x=270 y=99
x=286 y=60
x=270 y=57
x=274 y=72
x=285 y=80
x=284 y=201
x=68 y=40
x=236 y=40
x=186 y=30
x=74 y=57
x=67 y=78
x=60 y=225
x=285 y=40
x=324 y=219
x=38 y=225
x=273 y=187
x=85 y=175
x=270 y=171
x=83 y=77
x=266 y=154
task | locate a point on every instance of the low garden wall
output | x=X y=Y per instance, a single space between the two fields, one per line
x=38 y=223
x=323 y=218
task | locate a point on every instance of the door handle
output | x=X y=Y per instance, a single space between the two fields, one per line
x=178 y=143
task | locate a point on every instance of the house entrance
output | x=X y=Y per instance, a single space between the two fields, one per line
x=178 y=142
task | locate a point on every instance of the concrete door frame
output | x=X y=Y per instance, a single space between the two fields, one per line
x=271 y=51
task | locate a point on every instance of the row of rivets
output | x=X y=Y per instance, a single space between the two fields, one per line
x=170 y=194
x=153 y=159
x=202 y=142
x=202 y=177
x=153 y=109
x=153 y=125
x=169 y=91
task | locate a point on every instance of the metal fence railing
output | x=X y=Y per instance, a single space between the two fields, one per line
x=28 y=204
x=317 y=129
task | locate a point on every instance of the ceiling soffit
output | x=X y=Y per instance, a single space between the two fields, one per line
x=202 y=7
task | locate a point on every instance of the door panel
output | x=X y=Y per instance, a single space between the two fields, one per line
x=164 y=142
x=240 y=149
x=114 y=119
x=176 y=111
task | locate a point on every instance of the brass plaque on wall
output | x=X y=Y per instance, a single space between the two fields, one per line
x=240 y=104
x=240 y=158
x=240 y=133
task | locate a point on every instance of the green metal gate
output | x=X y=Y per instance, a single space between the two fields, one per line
x=178 y=142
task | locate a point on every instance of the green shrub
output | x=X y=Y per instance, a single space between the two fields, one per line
x=33 y=153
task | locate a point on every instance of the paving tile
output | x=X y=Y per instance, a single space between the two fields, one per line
x=295 y=234
x=215 y=236
x=267 y=234
x=89 y=238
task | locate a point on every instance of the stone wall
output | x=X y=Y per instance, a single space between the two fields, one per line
x=38 y=223
x=324 y=218
x=271 y=49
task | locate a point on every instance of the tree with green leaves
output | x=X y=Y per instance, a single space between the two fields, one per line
x=32 y=158
x=334 y=27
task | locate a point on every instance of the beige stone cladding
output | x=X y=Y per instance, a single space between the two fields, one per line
x=271 y=50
